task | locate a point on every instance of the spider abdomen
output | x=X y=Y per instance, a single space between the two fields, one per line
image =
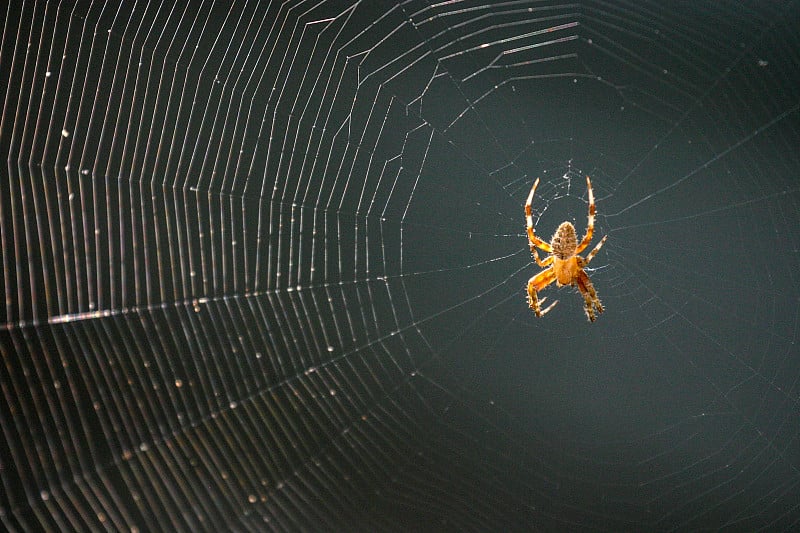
x=565 y=241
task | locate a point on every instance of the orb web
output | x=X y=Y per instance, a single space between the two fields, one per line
x=264 y=266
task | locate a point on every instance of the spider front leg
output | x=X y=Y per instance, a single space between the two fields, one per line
x=533 y=240
x=590 y=222
x=537 y=283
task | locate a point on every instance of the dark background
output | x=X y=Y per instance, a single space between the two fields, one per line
x=264 y=266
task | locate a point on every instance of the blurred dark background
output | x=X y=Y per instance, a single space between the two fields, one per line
x=264 y=266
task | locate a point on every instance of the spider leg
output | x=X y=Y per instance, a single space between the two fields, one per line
x=542 y=263
x=537 y=283
x=594 y=252
x=532 y=238
x=590 y=224
x=590 y=298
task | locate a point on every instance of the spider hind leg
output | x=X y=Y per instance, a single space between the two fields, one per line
x=590 y=299
x=537 y=283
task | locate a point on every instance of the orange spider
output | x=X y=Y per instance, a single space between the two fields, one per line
x=566 y=266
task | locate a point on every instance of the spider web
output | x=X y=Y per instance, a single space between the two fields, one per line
x=264 y=266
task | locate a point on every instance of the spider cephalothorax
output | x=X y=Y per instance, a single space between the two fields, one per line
x=565 y=266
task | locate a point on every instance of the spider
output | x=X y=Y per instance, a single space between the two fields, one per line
x=565 y=265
